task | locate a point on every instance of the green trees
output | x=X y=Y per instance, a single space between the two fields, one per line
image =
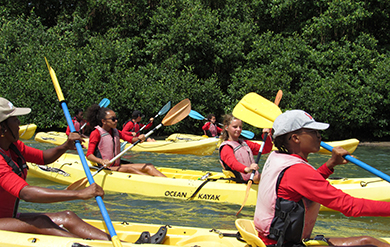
x=330 y=58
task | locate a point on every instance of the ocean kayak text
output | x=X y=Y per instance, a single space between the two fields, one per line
x=210 y=197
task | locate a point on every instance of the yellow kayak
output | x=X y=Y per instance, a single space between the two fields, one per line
x=350 y=144
x=203 y=146
x=189 y=184
x=27 y=131
x=130 y=233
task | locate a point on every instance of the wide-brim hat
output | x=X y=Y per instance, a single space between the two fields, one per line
x=7 y=109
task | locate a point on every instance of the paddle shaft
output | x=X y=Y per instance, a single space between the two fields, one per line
x=176 y=114
x=250 y=181
x=99 y=200
x=80 y=151
x=259 y=155
x=256 y=101
x=277 y=101
x=120 y=154
x=143 y=127
x=135 y=143
x=360 y=163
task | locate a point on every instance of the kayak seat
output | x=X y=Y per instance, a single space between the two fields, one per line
x=248 y=232
x=157 y=238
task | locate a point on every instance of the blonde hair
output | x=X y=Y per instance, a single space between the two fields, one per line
x=227 y=120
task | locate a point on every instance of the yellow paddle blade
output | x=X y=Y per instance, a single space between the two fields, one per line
x=177 y=113
x=55 y=82
x=248 y=188
x=256 y=110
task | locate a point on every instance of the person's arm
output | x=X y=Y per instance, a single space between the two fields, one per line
x=149 y=124
x=337 y=157
x=127 y=129
x=302 y=180
x=130 y=138
x=18 y=187
x=52 y=154
x=46 y=195
x=94 y=140
x=206 y=126
x=219 y=130
x=255 y=147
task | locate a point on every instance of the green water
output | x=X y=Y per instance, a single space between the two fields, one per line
x=135 y=208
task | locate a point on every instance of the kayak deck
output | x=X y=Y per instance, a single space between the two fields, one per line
x=128 y=232
x=27 y=131
x=202 y=146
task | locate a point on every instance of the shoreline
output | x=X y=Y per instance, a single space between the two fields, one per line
x=375 y=144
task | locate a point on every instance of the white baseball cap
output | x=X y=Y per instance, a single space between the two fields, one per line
x=290 y=121
x=7 y=109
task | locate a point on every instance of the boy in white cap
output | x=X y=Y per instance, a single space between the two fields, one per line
x=291 y=190
x=13 y=186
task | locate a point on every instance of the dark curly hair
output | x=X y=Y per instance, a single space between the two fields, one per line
x=95 y=114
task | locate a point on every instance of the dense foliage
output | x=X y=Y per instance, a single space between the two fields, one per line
x=330 y=58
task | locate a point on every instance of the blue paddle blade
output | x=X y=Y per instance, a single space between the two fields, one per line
x=247 y=134
x=165 y=109
x=104 y=103
x=196 y=115
x=123 y=145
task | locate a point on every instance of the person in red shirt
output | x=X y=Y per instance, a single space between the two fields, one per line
x=210 y=128
x=13 y=186
x=78 y=121
x=291 y=190
x=104 y=143
x=236 y=155
x=133 y=126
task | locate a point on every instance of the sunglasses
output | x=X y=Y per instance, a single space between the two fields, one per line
x=112 y=119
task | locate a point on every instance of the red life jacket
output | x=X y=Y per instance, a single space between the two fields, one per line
x=276 y=216
x=109 y=146
x=243 y=154
x=213 y=129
